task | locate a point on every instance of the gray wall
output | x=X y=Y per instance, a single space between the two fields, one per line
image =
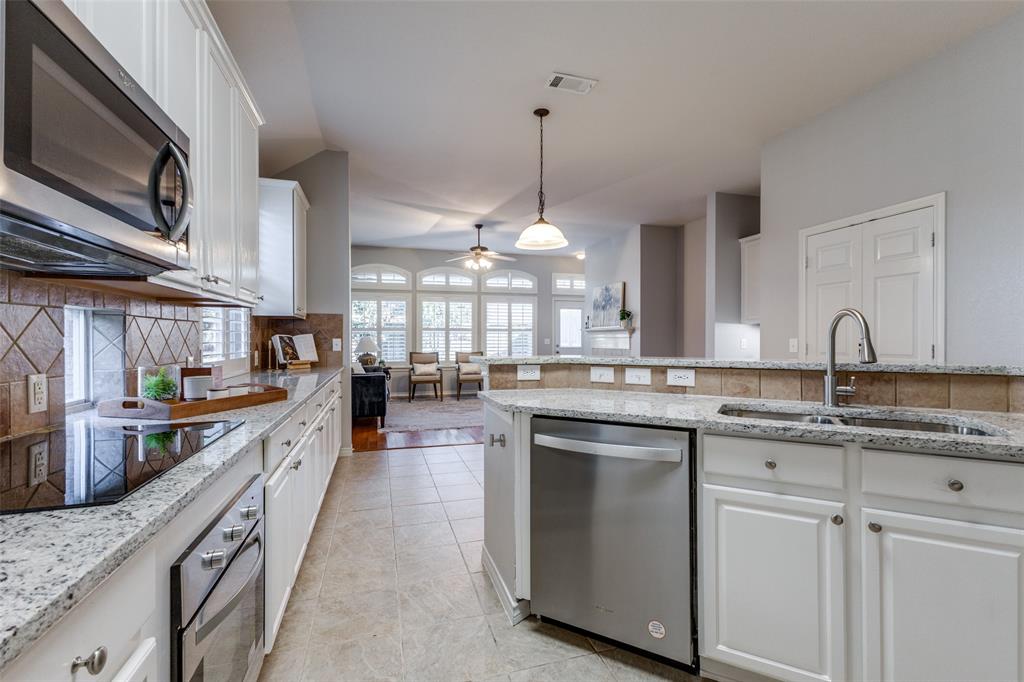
x=730 y=217
x=616 y=259
x=541 y=267
x=694 y=248
x=954 y=123
x=324 y=179
x=660 y=303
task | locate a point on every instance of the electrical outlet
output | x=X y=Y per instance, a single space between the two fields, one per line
x=37 y=398
x=528 y=372
x=640 y=376
x=681 y=377
x=602 y=375
x=39 y=463
x=336 y=345
x=794 y=345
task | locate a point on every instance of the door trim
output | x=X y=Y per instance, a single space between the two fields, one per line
x=934 y=201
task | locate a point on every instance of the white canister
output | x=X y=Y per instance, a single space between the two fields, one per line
x=238 y=390
x=195 y=387
x=214 y=393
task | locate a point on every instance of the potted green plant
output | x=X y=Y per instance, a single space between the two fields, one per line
x=159 y=386
x=625 y=318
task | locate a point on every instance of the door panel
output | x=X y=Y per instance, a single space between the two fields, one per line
x=220 y=237
x=774 y=584
x=568 y=327
x=833 y=282
x=943 y=599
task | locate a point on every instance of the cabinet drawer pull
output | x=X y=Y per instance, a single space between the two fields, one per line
x=955 y=485
x=499 y=440
x=837 y=519
x=287 y=443
x=874 y=527
x=770 y=464
x=302 y=423
x=297 y=465
x=320 y=428
x=93 y=663
x=319 y=405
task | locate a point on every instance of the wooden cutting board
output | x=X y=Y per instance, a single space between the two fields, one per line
x=146 y=408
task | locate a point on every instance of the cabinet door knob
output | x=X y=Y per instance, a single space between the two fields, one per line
x=297 y=465
x=955 y=485
x=320 y=428
x=874 y=527
x=837 y=519
x=259 y=298
x=93 y=663
x=499 y=440
x=287 y=443
x=302 y=423
x=770 y=464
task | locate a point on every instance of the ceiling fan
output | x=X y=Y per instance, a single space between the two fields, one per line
x=479 y=257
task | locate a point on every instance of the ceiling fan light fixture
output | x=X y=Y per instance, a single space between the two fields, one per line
x=542 y=235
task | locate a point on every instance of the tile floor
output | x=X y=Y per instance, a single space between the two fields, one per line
x=392 y=587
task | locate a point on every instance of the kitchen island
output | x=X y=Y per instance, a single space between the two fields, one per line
x=823 y=551
x=54 y=560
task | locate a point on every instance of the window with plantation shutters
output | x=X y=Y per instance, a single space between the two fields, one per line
x=446 y=325
x=376 y=276
x=446 y=278
x=510 y=326
x=384 y=318
x=225 y=334
x=510 y=280
x=568 y=283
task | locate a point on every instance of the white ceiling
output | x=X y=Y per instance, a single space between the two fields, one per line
x=433 y=100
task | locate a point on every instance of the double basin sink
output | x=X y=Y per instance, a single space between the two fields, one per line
x=874 y=422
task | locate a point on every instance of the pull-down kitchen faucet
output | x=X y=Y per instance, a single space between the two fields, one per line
x=867 y=355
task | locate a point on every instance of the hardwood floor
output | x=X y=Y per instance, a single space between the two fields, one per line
x=366 y=437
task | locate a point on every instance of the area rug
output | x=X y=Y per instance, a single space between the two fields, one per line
x=429 y=414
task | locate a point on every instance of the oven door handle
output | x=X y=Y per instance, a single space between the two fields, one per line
x=210 y=625
x=170 y=151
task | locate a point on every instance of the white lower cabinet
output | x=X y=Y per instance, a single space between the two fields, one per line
x=942 y=599
x=774 y=583
x=143 y=665
x=280 y=562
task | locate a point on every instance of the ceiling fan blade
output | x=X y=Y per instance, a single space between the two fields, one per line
x=497 y=256
x=455 y=260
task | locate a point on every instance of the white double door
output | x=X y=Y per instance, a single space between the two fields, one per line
x=885 y=268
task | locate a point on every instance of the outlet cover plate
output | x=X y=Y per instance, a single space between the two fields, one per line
x=39 y=463
x=602 y=375
x=794 y=345
x=640 y=376
x=336 y=345
x=37 y=397
x=681 y=377
x=528 y=372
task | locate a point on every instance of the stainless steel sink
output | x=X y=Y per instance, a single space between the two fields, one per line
x=869 y=422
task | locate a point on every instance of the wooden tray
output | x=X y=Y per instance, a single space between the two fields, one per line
x=145 y=408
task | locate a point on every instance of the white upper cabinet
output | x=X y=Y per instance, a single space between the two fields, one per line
x=750 y=279
x=282 y=249
x=247 y=213
x=126 y=29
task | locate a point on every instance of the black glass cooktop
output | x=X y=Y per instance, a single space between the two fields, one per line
x=83 y=465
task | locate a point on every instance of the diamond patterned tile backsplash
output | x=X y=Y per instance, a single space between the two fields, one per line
x=32 y=342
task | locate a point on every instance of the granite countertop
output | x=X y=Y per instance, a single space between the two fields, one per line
x=53 y=559
x=1002 y=370
x=701 y=412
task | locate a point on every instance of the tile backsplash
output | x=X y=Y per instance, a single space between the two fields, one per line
x=323 y=326
x=32 y=342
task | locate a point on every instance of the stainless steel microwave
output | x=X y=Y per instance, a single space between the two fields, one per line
x=94 y=179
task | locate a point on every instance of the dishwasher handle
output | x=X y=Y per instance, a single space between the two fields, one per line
x=647 y=454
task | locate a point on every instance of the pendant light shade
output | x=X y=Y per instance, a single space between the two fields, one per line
x=542 y=235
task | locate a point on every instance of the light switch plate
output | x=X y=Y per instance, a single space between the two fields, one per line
x=794 y=345
x=37 y=398
x=640 y=376
x=39 y=463
x=528 y=372
x=336 y=345
x=602 y=375
x=681 y=377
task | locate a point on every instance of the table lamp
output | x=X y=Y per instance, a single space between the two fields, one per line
x=368 y=350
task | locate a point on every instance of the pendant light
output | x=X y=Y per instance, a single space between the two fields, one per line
x=542 y=235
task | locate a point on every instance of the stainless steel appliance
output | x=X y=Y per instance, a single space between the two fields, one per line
x=217 y=606
x=612 y=533
x=83 y=464
x=94 y=179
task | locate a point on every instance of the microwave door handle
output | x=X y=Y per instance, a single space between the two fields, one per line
x=212 y=623
x=170 y=151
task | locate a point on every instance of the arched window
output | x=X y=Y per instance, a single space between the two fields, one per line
x=452 y=279
x=514 y=281
x=378 y=276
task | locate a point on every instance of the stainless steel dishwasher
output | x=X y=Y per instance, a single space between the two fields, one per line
x=612 y=532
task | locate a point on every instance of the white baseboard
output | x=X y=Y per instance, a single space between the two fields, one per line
x=515 y=609
x=345 y=452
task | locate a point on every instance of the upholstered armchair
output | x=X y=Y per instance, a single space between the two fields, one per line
x=467 y=372
x=433 y=378
x=370 y=393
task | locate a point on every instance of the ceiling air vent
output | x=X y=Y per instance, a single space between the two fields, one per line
x=574 y=84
